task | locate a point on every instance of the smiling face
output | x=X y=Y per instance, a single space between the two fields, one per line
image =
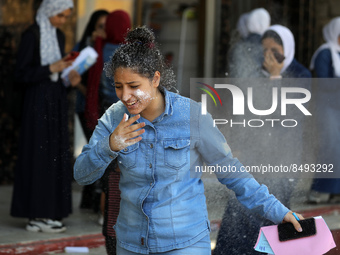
x=60 y=19
x=138 y=93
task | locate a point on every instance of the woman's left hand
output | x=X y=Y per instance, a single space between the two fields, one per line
x=289 y=217
x=74 y=78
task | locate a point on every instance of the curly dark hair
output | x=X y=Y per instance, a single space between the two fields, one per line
x=141 y=53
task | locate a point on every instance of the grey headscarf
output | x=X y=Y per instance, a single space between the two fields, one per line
x=49 y=47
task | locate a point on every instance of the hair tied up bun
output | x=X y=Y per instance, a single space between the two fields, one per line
x=140 y=53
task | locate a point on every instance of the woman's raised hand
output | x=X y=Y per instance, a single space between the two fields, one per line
x=271 y=64
x=126 y=133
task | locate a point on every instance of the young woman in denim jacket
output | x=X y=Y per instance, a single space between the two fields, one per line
x=157 y=136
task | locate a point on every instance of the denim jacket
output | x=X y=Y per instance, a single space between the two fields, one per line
x=163 y=204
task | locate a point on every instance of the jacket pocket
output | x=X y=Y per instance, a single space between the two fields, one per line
x=128 y=156
x=176 y=152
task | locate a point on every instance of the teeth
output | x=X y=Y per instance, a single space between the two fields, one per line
x=131 y=103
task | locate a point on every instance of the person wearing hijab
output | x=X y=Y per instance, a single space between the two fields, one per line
x=245 y=56
x=326 y=64
x=326 y=59
x=101 y=94
x=258 y=21
x=43 y=175
x=100 y=87
x=239 y=228
x=279 y=50
x=241 y=26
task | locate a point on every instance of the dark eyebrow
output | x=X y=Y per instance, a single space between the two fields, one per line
x=129 y=83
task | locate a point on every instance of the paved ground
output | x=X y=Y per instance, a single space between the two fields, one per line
x=83 y=229
x=13 y=229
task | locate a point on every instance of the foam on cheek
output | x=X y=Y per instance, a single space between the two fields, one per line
x=143 y=95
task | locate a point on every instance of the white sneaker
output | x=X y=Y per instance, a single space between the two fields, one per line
x=45 y=225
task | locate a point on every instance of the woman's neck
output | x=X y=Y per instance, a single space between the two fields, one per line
x=156 y=107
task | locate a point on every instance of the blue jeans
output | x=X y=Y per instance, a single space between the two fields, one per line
x=202 y=247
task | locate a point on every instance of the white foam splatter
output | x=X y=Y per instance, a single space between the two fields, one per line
x=143 y=95
x=121 y=142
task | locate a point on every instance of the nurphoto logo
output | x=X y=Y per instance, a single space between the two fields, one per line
x=239 y=104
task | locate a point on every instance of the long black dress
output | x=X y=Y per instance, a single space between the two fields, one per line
x=42 y=186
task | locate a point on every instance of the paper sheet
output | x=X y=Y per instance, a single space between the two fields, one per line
x=77 y=250
x=262 y=244
x=87 y=57
x=318 y=244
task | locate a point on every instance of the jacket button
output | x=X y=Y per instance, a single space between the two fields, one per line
x=150 y=165
x=125 y=149
x=151 y=145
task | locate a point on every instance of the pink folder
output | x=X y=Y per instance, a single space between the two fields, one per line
x=318 y=244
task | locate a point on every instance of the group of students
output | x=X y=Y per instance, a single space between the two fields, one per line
x=264 y=51
x=147 y=139
x=268 y=51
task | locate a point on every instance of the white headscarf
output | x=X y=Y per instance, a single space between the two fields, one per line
x=288 y=42
x=331 y=32
x=258 y=21
x=242 y=25
x=49 y=47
